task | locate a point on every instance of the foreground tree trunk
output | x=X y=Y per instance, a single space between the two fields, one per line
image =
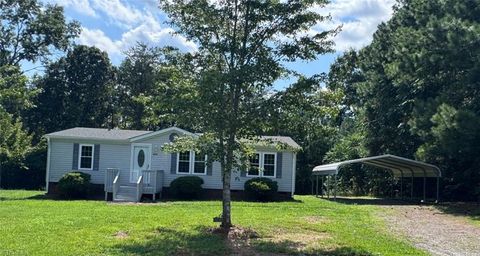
x=226 y=196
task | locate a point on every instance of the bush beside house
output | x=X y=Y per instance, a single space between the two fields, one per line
x=74 y=185
x=187 y=187
x=261 y=189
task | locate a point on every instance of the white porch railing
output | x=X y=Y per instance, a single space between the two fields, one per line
x=152 y=182
x=110 y=175
x=148 y=182
x=139 y=188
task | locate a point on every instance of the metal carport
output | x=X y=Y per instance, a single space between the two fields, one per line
x=399 y=166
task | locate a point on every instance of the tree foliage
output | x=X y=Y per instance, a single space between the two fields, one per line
x=242 y=48
x=77 y=90
x=151 y=80
x=30 y=31
x=415 y=85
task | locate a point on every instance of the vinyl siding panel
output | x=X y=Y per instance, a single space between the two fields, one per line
x=162 y=161
x=118 y=155
x=111 y=156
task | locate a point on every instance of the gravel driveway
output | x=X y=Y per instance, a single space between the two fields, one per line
x=434 y=231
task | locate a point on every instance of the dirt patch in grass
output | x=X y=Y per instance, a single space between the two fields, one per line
x=121 y=234
x=435 y=231
x=244 y=241
x=296 y=241
x=238 y=239
x=315 y=219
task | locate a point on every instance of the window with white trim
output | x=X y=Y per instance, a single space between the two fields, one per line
x=268 y=165
x=254 y=169
x=191 y=162
x=199 y=165
x=85 y=157
x=183 y=162
x=263 y=164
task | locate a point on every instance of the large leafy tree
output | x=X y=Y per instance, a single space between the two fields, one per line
x=418 y=84
x=15 y=96
x=77 y=90
x=29 y=31
x=308 y=113
x=15 y=142
x=150 y=79
x=242 y=48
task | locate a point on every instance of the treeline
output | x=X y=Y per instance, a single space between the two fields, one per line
x=415 y=92
x=412 y=92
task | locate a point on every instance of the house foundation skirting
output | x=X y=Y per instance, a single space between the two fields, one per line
x=97 y=192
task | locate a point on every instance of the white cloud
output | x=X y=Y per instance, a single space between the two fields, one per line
x=141 y=21
x=120 y=13
x=359 y=18
x=96 y=37
x=79 y=6
x=149 y=32
x=135 y=25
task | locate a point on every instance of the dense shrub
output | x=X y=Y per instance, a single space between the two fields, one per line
x=74 y=185
x=262 y=189
x=187 y=187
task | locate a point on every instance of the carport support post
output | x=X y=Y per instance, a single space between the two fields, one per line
x=335 y=188
x=401 y=186
x=411 y=189
x=438 y=189
x=316 y=189
x=321 y=187
x=328 y=186
x=424 y=189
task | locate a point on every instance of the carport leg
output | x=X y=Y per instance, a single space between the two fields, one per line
x=411 y=189
x=335 y=188
x=321 y=188
x=438 y=189
x=401 y=187
x=316 y=189
x=424 y=189
x=328 y=187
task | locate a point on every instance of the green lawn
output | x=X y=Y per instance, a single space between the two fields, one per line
x=32 y=225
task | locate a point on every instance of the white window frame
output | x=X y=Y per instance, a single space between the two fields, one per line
x=195 y=160
x=191 y=165
x=262 y=164
x=259 y=166
x=80 y=149
x=274 y=164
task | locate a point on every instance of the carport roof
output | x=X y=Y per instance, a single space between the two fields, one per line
x=399 y=166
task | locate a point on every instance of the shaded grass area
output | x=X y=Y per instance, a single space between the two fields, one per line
x=33 y=225
x=471 y=210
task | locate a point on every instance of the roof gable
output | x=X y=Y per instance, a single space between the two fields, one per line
x=138 y=135
x=96 y=133
x=159 y=132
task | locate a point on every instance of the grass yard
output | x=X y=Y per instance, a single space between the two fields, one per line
x=33 y=225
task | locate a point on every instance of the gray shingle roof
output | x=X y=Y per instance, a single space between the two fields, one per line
x=96 y=133
x=116 y=134
x=283 y=139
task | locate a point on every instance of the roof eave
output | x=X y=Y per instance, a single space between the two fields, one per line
x=50 y=136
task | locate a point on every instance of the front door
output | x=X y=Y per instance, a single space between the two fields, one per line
x=141 y=159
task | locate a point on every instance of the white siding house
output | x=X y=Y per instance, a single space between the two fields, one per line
x=122 y=156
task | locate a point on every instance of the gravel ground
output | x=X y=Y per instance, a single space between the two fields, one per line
x=434 y=231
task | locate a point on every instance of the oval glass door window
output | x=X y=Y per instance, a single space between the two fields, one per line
x=141 y=158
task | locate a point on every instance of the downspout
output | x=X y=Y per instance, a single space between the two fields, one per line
x=294 y=171
x=47 y=174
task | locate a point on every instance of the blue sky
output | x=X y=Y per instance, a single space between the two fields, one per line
x=116 y=25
